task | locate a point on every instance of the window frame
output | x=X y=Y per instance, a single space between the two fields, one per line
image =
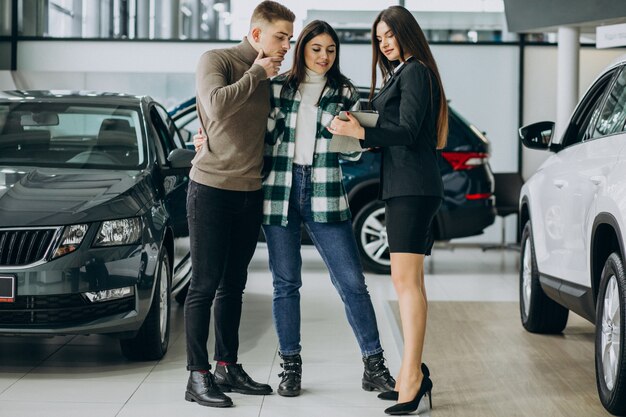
x=620 y=71
x=583 y=117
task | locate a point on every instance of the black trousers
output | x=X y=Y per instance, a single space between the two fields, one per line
x=223 y=230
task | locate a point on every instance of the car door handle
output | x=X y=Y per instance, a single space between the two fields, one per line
x=559 y=183
x=597 y=179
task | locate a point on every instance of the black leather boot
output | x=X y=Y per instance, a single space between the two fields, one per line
x=376 y=376
x=233 y=378
x=291 y=376
x=201 y=388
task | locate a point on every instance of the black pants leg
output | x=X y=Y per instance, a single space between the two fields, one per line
x=223 y=230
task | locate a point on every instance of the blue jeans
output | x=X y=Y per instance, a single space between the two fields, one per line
x=337 y=246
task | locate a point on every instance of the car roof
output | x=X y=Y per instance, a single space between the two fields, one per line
x=73 y=96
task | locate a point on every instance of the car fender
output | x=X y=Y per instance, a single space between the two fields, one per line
x=610 y=204
x=603 y=218
x=608 y=208
x=530 y=189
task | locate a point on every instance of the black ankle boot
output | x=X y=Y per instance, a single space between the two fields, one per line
x=232 y=378
x=202 y=389
x=376 y=376
x=290 y=384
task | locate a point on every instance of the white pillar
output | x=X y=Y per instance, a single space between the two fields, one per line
x=77 y=19
x=196 y=18
x=91 y=20
x=5 y=17
x=167 y=19
x=568 y=63
x=143 y=19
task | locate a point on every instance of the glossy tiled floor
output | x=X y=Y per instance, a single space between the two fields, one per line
x=87 y=376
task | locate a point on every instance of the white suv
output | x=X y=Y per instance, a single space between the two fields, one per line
x=573 y=220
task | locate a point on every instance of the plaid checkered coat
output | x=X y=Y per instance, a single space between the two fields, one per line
x=329 y=202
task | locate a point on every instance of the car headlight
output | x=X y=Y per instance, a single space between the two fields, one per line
x=71 y=239
x=119 y=232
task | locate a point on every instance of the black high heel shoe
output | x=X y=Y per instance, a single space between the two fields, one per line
x=393 y=395
x=410 y=406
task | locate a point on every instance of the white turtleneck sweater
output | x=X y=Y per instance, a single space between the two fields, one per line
x=306 y=122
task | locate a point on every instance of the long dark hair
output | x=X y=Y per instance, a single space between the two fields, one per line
x=334 y=78
x=411 y=41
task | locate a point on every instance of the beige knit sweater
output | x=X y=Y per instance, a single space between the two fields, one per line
x=233 y=104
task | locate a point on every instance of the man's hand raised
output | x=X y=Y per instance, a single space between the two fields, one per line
x=271 y=65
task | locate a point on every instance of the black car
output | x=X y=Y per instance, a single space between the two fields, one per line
x=468 y=206
x=93 y=231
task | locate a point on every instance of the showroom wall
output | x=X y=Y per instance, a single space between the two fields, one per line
x=482 y=82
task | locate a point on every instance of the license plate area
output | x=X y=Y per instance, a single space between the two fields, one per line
x=7 y=289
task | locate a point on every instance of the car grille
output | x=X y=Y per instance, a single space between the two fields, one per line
x=59 y=309
x=24 y=246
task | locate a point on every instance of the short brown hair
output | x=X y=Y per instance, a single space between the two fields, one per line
x=271 y=11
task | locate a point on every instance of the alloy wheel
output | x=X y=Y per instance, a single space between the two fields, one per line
x=164 y=302
x=374 y=237
x=611 y=333
x=526 y=276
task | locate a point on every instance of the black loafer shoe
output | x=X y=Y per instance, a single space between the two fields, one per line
x=201 y=389
x=232 y=378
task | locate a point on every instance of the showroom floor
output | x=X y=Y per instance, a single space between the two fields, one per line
x=483 y=362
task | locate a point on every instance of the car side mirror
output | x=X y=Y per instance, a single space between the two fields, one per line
x=180 y=158
x=537 y=135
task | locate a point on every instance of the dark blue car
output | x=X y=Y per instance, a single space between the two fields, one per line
x=468 y=206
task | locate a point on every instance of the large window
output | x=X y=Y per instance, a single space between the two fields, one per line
x=442 y=20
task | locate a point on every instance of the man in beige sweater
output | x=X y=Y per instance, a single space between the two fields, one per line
x=224 y=203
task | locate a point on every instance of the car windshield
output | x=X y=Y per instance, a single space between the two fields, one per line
x=71 y=135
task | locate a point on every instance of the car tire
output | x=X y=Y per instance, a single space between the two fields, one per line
x=152 y=339
x=371 y=237
x=609 y=346
x=539 y=313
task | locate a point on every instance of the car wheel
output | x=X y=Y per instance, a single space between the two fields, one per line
x=371 y=237
x=151 y=341
x=610 y=319
x=539 y=313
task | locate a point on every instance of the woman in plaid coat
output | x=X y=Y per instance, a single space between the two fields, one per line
x=304 y=186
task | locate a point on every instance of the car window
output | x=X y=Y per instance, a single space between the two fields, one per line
x=587 y=112
x=612 y=117
x=71 y=135
x=188 y=121
x=168 y=134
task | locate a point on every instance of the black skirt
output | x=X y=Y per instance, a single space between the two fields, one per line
x=409 y=223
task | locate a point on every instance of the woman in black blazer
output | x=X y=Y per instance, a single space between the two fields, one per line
x=412 y=126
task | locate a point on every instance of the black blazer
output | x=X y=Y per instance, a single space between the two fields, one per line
x=408 y=106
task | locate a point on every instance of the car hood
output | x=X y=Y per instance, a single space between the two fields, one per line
x=52 y=197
